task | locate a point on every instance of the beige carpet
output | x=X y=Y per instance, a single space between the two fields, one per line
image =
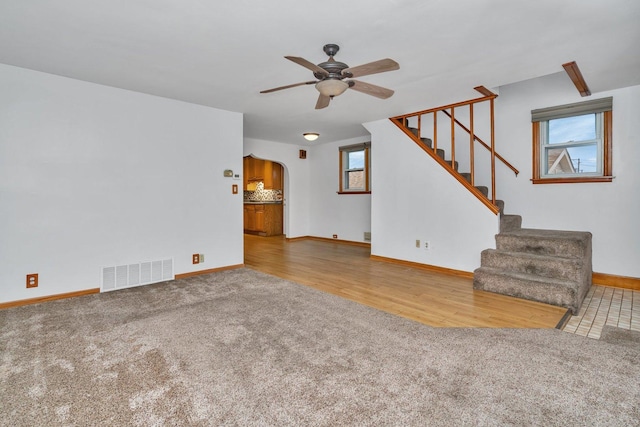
x=244 y=348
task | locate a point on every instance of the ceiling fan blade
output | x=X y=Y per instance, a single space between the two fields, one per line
x=323 y=102
x=310 y=65
x=288 y=86
x=369 y=89
x=375 y=67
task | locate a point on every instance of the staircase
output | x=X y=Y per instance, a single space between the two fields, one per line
x=548 y=266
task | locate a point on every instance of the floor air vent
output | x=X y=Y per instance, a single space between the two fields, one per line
x=143 y=273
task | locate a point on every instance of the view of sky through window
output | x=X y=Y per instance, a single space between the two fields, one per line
x=577 y=128
x=356 y=159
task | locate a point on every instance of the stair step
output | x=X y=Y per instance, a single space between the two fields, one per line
x=559 y=292
x=440 y=153
x=484 y=190
x=500 y=205
x=426 y=141
x=558 y=267
x=546 y=242
x=455 y=164
x=508 y=222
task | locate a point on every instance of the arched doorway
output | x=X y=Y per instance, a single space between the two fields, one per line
x=264 y=197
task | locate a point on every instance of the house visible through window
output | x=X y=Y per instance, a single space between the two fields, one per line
x=354 y=168
x=572 y=143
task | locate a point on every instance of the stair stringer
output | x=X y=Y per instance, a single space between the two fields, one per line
x=447 y=166
x=414 y=198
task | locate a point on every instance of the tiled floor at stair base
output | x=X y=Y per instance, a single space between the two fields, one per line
x=606 y=306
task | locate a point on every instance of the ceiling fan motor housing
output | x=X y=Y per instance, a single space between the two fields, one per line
x=333 y=67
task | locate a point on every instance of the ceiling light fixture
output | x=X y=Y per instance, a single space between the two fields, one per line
x=331 y=87
x=311 y=136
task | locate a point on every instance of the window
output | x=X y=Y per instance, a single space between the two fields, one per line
x=354 y=169
x=572 y=143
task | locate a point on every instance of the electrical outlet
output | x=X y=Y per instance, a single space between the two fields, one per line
x=335 y=236
x=32 y=280
x=201 y=258
x=427 y=245
x=195 y=258
x=417 y=243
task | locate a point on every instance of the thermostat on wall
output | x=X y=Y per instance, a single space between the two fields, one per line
x=228 y=173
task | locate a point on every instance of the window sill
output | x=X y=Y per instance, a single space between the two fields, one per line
x=353 y=192
x=572 y=180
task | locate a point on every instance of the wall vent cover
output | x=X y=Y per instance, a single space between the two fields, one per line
x=367 y=236
x=142 y=273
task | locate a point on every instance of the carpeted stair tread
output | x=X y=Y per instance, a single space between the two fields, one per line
x=508 y=222
x=545 y=242
x=559 y=292
x=530 y=277
x=569 y=258
x=556 y=266
x=551 y=234
x=483 y=189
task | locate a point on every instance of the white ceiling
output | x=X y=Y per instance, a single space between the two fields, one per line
x=222 y=53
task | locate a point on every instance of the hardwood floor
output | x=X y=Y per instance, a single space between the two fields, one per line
x=431 y=298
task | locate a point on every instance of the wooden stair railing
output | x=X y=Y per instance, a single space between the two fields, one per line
x=449 y=110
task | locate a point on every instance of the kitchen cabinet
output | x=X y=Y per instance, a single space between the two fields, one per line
x=272 y=176
x=265 y=171
x=263 y=219
x=253 y=168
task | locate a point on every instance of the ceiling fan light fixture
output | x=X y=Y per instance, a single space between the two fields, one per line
x=331 y=87
x=311 y=136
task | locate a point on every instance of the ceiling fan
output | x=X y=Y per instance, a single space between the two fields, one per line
x=331 y=76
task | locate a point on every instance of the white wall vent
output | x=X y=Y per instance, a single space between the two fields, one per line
x=143 y=273
x=367 y=236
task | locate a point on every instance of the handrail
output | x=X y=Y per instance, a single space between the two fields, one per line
x=484 y=144
x=403 y=123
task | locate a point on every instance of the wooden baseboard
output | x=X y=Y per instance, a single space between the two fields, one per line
x=326 y=239
x=209 y=271
x=433 y=268
x=616 y=281
x=38 y=300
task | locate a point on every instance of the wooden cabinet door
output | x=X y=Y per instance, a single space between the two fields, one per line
x=258 y=169
x=249 y=217
x=268 y=175
x=276 y=176
x=259 y=218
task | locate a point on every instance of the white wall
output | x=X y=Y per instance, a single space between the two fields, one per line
x=415 y=198
x=610 y=211
x=92 y=176
x=347 y=215
x=297 y=185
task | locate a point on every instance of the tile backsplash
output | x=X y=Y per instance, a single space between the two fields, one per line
x=262 y=195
